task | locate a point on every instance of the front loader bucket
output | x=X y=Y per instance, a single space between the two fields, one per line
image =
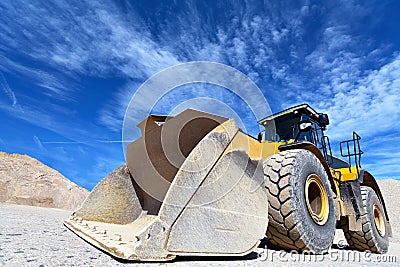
x=193 y=184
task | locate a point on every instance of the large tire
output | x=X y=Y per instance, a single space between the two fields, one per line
x=291 y=225
x=369 y=237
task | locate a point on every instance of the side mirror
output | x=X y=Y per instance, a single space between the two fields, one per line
x=323 y=119
x=259 y=136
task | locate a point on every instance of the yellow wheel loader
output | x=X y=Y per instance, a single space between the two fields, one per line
x=195 y=184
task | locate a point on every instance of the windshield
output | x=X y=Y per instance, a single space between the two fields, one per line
x=284 y=126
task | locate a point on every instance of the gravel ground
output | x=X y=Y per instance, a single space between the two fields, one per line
x=33 y=236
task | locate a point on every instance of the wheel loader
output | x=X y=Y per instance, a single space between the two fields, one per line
x=196 y=184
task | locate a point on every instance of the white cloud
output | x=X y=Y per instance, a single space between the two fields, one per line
x=372 y=107
x=383 y=158
x=94 y=39
x=101 y=40
x=7 y=90
x=55 y=118
x=38 y=143
x=53 y=84
x=112 y=114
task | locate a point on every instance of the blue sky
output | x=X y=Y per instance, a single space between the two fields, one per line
x=69 y=69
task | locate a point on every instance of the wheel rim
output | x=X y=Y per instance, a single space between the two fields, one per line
x=317 y=199
x=379 y=222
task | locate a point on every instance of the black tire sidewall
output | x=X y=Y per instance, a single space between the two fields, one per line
x=316 y=237
x=382 y=242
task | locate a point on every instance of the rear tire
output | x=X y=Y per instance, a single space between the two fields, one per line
x=374 y=234
x=293 y=224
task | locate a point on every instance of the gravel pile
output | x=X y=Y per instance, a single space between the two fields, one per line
x=391 y=193
x=26 y=181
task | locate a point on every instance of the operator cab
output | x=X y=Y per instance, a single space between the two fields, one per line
x=298 y=124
